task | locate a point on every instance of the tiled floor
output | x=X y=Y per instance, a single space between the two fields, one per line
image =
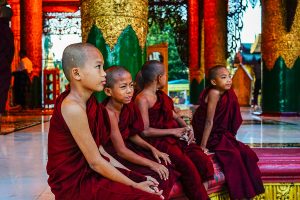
x=23 y=157
x=23 y=154
x=269 y=131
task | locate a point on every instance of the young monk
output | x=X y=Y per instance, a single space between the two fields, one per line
x=75 y=166
x=165 y=130
x=139 y=83
x=125 y=144
x=215 y=123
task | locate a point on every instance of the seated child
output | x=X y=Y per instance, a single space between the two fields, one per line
x=125 y=144
x=215 y=123
x=75 y=166
x=168 y=132
x=138 y=87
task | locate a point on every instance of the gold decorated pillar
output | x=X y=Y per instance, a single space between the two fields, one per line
x=15 y=27
x=31 y=31
x=280 y=54
x=113 y=16
x=215 y=32
x=118 y=28
x=278 y=37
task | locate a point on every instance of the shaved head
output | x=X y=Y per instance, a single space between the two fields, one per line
x=113 y=74
x=213 y=72
x=75 y=55
x=150 y=70
x=139 y=82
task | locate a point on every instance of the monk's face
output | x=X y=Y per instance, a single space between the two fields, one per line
x=223 y=80
x=92 y=75
x=122 y=90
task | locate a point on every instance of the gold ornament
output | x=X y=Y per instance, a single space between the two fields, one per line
x=278 y=191
x=113 y=16
x=276 y=41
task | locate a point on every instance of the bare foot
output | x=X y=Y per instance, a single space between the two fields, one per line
x=205 y=184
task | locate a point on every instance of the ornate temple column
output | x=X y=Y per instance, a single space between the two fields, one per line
x=215 y=32
x=280 y=54
x=31 y=22
x=195 y=68
x=118 y=28
x=15 y=27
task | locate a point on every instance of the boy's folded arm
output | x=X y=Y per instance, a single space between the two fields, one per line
x=77 y=121
x=148 y=131
x=129 y=155
x=120 y=146
x=136 y=139
x=179 y=119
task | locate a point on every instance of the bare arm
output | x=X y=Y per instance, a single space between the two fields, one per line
x=112 y=160
x=136 y=139
x=189 y=130
x=77 y=121
x=179 y=120
x=129 y=155
x=143 y=105
x=212 y=100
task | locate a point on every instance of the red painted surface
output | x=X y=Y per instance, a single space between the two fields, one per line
x=279 y=164
x=60 y=5
x=32 y=20
x=60 y=8
x=215 y=37
x=194 y=39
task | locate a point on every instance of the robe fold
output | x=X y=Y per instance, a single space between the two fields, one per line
x=70 y=176
x=238 y=161
x=192 y=163
x=130 y=124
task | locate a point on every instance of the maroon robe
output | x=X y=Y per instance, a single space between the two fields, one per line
x=130 y=124
x=70 y=176
x=189 y=160
x=238 y=161
x=6 y=58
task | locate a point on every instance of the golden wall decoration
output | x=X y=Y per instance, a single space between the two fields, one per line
x=273 y=191
x=223 y=195
x=276 y=41
x=113 y=16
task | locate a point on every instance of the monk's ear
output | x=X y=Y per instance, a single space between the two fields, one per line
x=159 y=78
x=108 y=91
x=75 y=73
x=213 y=82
